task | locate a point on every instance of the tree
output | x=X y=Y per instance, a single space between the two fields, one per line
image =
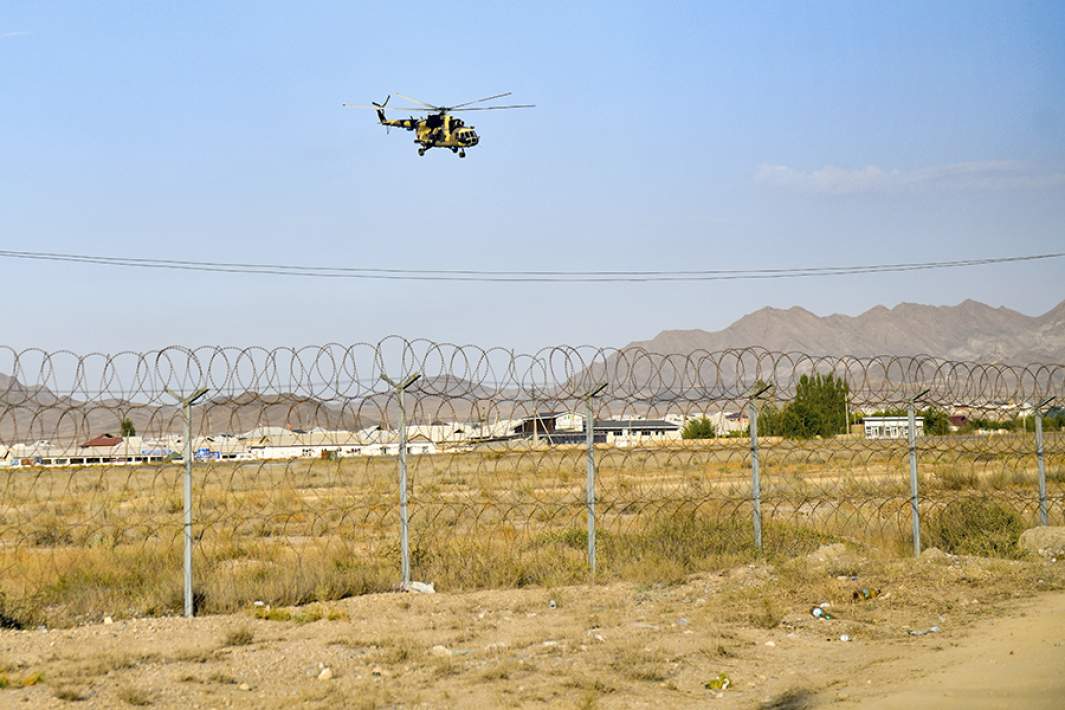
x=700 y=428
x=936 y=422
x=128 y=429
x=819 y=409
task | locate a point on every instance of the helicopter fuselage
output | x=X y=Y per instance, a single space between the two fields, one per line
x=437 y=130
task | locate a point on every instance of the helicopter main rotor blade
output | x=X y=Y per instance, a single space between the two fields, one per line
x=494 y=108
x=419 y=101
x=387 y=108
x=477 y=101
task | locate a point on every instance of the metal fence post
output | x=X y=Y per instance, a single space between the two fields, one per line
x=756 y=475
x=1044 y=518
x=400 y=389
x=915 y=510
x=756 y=467
x=187 y=567
x=589 y=485
x=186 y=406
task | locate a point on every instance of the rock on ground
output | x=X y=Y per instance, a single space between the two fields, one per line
x=934 y=554
x=831 y=555
x=1044 y=541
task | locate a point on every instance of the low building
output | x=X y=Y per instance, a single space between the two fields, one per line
x=958 y=422
x=891 y=427
x=555 y=428
x=104 y=449
x=635 y=432
x=322 y=444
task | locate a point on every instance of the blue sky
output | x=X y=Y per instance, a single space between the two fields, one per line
x=666 y=135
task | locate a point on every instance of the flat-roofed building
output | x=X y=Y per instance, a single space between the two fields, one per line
x=891 y=427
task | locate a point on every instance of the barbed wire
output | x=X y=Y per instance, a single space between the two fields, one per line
x=295 y=456
x=336 y=372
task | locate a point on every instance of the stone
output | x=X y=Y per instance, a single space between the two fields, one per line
x=421 y=587
x=828 y=555
x=108 y=620
x=440 y=651
x=326 y=674
x=1047 y=542
x=934 y=554
x=243 y=686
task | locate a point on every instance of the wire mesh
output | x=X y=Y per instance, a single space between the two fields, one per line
x=295 y=466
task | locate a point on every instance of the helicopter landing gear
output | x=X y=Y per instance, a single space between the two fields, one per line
x=462 y=154
x=421 y=151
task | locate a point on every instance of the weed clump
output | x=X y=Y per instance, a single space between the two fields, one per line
x=70 y=695
x=134 y=696
x=239 y=637
x=975 y=526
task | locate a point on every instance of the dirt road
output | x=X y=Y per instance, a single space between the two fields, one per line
x=610 y=646
x=1012 y=662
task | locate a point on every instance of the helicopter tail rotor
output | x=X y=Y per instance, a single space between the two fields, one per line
x=381 y=112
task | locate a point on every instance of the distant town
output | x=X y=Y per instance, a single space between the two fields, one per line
x=272 y=443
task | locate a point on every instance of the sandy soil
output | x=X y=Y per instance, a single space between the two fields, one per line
x=1015 y=662
x=1001 y=643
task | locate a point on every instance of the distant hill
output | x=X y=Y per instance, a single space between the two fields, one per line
x=969 y=331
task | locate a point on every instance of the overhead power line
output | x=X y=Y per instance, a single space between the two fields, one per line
x=477 y=275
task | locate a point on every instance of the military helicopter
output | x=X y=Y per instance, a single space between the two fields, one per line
x=439 y=129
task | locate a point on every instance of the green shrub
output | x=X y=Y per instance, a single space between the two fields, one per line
x=975 y=526
x=701 y=428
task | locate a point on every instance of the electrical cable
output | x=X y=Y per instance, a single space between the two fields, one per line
x=491 y=276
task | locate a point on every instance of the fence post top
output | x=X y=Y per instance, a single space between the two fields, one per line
x=404 y=383
x=595 y=390
x=192 y=399
x=760 y=392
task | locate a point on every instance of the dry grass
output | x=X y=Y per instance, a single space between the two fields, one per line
x=70 y=695
x=26 y=681
x=134 y=696
x=975 y=526
x=239 y=637
x=303 y=615
x=642 y=665
x=79 y=543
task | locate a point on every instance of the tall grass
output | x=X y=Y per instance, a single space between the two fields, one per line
x=76 y=544
x=975 y=526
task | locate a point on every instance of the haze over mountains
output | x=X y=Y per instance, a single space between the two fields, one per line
x=970 y=331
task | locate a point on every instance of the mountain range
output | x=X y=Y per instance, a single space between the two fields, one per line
x=970 y=331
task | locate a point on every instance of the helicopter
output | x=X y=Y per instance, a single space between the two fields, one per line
x=439 y=129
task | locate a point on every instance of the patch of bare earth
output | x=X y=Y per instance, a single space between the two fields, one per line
x=617 y=645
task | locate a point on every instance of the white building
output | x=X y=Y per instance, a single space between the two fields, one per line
x=317 y=444
x=636 y=432
x=891 y=427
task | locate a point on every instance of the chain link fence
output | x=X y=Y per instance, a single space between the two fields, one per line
x=321 y=472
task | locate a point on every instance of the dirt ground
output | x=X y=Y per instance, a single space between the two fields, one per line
x=1000 y=642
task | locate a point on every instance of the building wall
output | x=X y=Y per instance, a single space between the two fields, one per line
x=891 y=427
